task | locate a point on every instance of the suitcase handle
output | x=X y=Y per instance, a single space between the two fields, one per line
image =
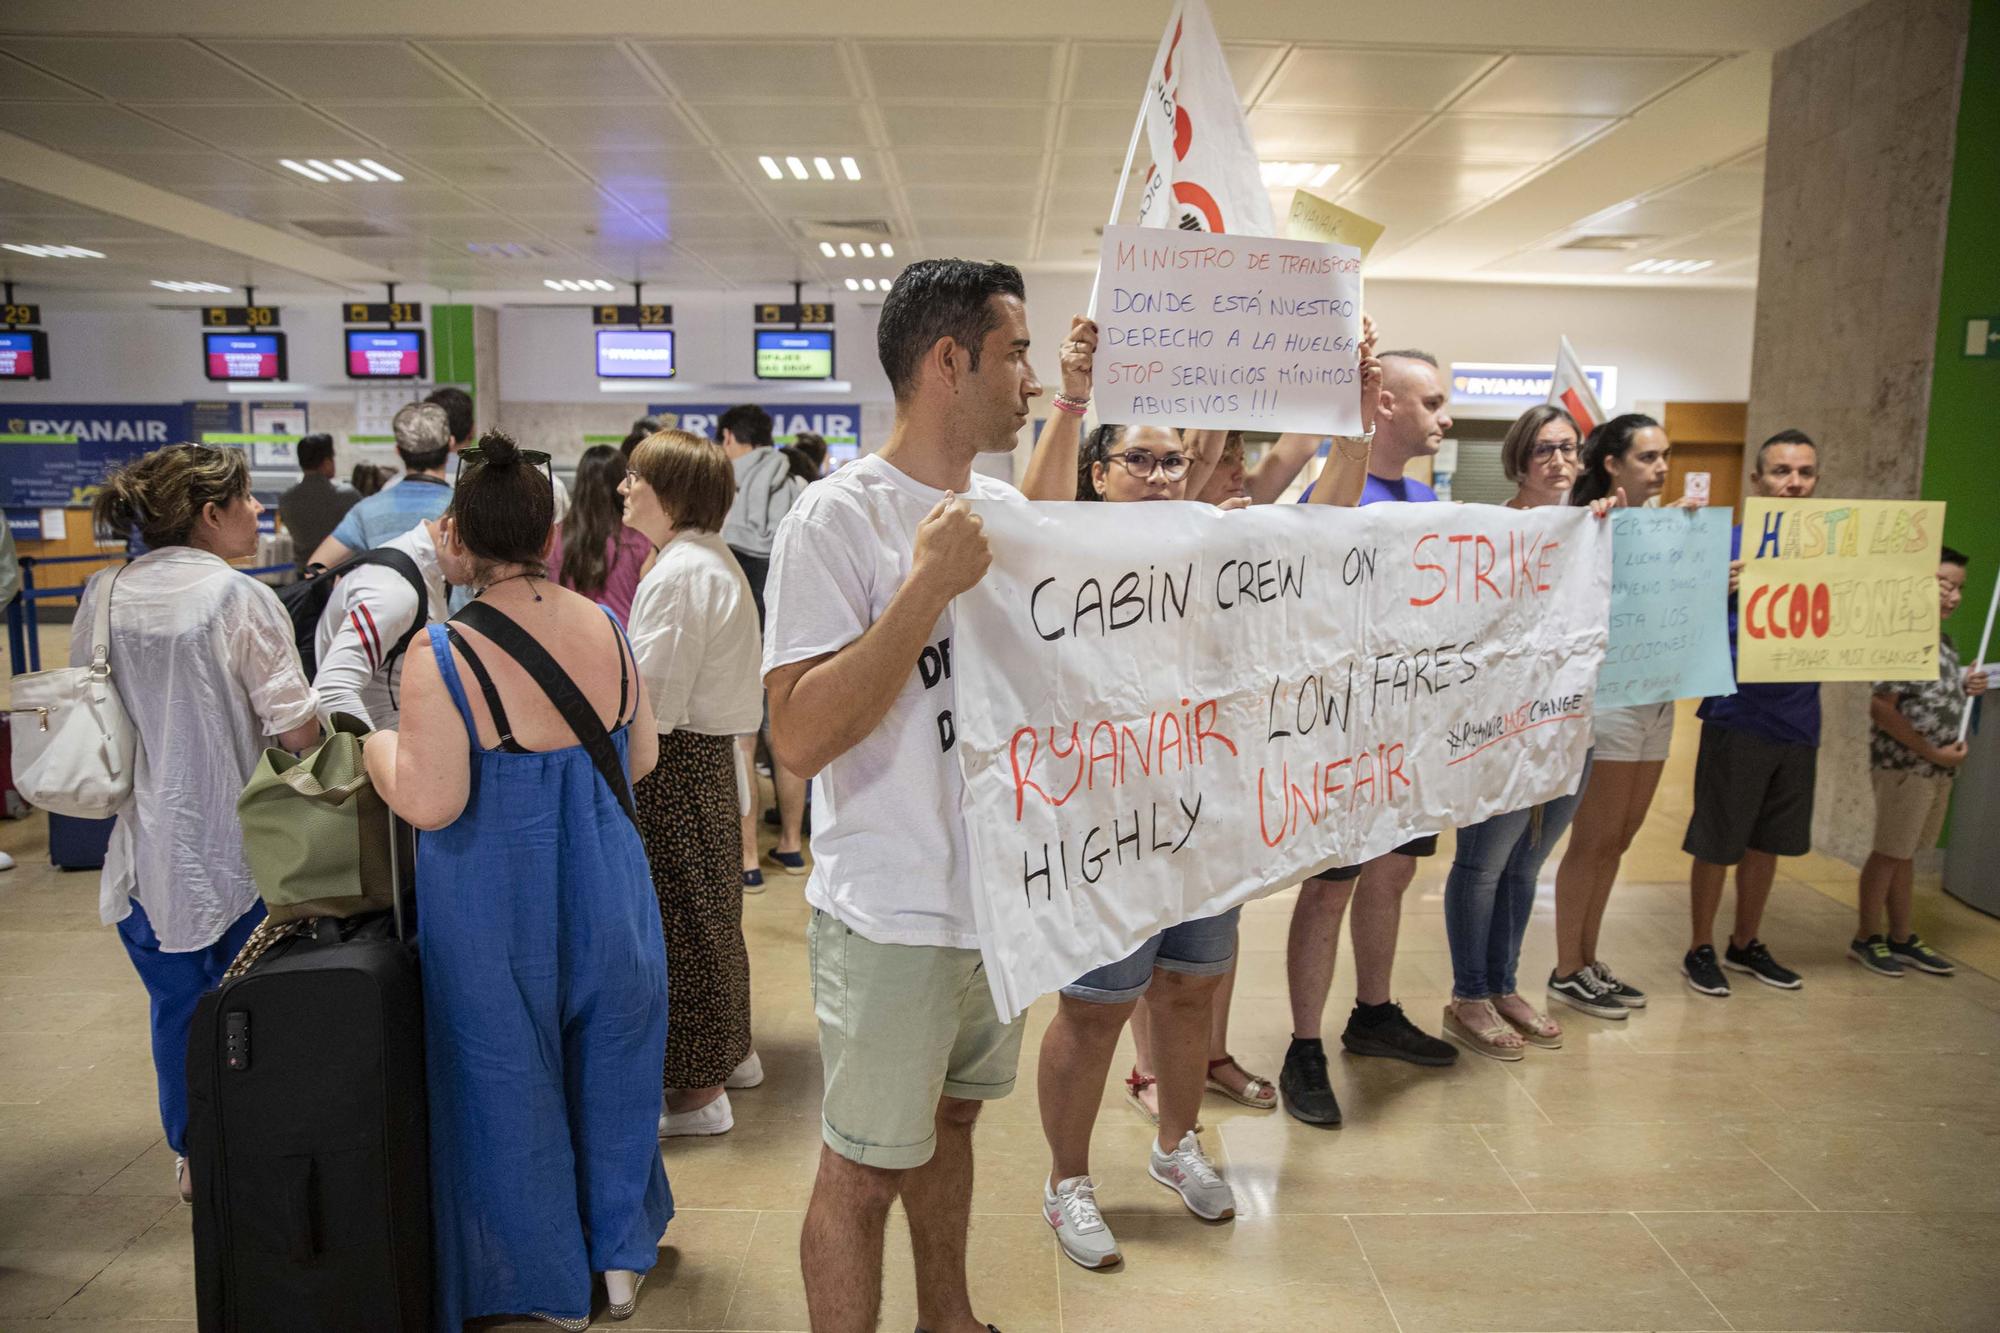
x=299 y=1191
x=398 y=887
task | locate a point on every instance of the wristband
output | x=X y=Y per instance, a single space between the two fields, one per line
x=1074 y=406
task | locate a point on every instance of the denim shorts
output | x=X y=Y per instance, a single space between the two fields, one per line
x=1204 y=947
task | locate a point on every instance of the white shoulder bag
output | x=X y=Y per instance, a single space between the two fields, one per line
x=74 y=744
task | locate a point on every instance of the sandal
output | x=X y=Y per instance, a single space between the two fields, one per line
x=1541 y=1031
x=1258 y=1093
x=1136 y=1083
x=1489 y=1042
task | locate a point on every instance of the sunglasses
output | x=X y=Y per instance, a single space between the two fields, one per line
x=1143 y=465
x=476 y=456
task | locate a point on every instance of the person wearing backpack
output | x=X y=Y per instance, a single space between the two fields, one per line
x=208 y=673
x=544 y=969
x=371 y=614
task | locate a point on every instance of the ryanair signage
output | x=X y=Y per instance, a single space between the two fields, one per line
x=1504 y=384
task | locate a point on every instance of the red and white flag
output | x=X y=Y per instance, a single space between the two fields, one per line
x=1569 y=389
x=1204 y=175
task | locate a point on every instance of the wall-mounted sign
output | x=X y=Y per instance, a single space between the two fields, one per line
x=839 y=424
x=1982 y=336
x=240 y=316
x=1505 y=384
x=20 y=312
x=770 y=312
x=383 y=312
x=24 y=355
x=644 y=316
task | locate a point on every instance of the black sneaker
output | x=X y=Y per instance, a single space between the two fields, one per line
x=1628 y=995
x=1873 y=954
x=1915 y=953
x=1580 y=990
x=1395 y=1037
x=1303 y=1085
x=1699 y=967
x=1755 y=959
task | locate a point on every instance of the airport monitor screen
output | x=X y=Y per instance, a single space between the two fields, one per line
x=245 y=356
x=646 y=354
x=806 y=354
x=391 y=354
x=24 y=355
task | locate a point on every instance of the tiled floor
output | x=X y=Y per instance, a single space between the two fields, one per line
x=1822 y=1160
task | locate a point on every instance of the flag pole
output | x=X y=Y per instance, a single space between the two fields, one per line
x=1979 y=662
x=1118 y=198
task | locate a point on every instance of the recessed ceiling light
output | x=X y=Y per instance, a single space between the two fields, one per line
x=304 y=170
x=796 y=167
x=826 y=248
x=888 y=251
x=853 y=284
x=771 y=168
x=379 y=169
x=1668 y=266
x=824 y=168
x=850 y=168
x=328 y=168
x=868 y=284
x=54 y=251
x=847 y=249
x=867 y=250
x=365 y=170
x=215 y=288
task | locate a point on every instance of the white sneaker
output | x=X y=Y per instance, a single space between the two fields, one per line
x=1188 y=1172
x=746 y=1075
x=1071 y=1208
x=714 y=1118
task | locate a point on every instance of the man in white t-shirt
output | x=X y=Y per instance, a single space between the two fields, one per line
x=372 y=617
x=858 y=665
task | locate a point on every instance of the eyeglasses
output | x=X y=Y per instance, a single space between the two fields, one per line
x=1143 y=465
x=1542 y=453
x=473 y=454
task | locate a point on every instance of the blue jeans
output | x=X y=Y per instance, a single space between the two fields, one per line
x=174 y=983
x=1203 y=947
x=1491 y=891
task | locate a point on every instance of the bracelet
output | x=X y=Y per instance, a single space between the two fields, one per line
x=1076 y=407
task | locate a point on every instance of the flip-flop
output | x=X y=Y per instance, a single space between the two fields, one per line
x=1544 y=1032
x=1253 y=1085
x=1483 y=1040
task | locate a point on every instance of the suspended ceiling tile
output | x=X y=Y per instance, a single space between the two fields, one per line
x=501 y=166
x=408 y=200
x=1018 y=170
x=141 y=69
x=950 y=125
x=1281 y=134
x=1079 y=204
x=1669 y=218
x=1102 y=128
x=676 y=166
x=752 y=71
x=520 y=71
x=606 y=124
x=1098 y=170
x=1594 y=85
x=696 y=229
x=1503 y=138
x=1372 y=80
x=282 y=128
x=174 y=171
x=335 y=71
x=817 y=199
x=410 y=128
x=954 y=200
x=1732 y=188
x=780 y=127
x=976 y=71
x=73 y=127
x=554 y=201
x=1114 y=73
x=1442 y=178
x=21 y=82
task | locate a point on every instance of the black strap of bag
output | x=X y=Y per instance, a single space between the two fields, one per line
x=562 y=692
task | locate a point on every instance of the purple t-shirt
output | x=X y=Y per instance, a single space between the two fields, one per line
x=1376 y=491
x=628 y=553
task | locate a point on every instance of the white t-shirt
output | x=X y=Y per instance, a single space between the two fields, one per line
x=889 y=845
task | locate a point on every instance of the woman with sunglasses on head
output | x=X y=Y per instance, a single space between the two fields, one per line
x=694 y=634
x=595 y=553
x=204 y=659
x=544 y=974
x=1626 y=456
x=1490 y=890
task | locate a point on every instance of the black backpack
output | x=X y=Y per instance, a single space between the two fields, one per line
x=305 y=601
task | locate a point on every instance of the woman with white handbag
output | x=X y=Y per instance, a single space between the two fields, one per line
x=202 y=658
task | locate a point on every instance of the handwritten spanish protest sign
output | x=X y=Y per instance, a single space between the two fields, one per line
x=1228 y=332
x=1839 y=590
x=1669 y=607
x=1165 y=710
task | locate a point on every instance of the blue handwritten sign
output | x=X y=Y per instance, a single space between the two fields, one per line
x=1669 y=607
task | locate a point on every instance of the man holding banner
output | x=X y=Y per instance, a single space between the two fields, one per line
x=859 y=665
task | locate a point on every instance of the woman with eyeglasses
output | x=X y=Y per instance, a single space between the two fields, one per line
x=545 y=979
x=1490 y=890
x=1626 y=456
x=595 y=553
x=204 y=659
x=694 y=633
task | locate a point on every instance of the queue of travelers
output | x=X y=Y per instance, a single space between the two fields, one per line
x=724 y=607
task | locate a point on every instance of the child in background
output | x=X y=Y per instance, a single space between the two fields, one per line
x=1914 y=750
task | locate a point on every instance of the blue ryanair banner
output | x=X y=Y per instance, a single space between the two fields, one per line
x=53 y=455
x=837 y=423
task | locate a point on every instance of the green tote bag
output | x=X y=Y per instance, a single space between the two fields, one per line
x=316 y=832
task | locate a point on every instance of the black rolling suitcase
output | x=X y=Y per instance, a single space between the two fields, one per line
x=308 y=1134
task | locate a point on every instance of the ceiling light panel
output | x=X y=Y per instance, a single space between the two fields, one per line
x=192 y=287
x=54 y=251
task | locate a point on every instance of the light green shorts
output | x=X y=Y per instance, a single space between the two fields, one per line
x=899 y=1026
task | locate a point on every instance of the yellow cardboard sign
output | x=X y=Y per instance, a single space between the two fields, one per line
x=1315 y=219
x=1838 y=590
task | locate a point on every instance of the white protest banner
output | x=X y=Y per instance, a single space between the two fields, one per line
x=1228 y=332
x=1165 y=710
